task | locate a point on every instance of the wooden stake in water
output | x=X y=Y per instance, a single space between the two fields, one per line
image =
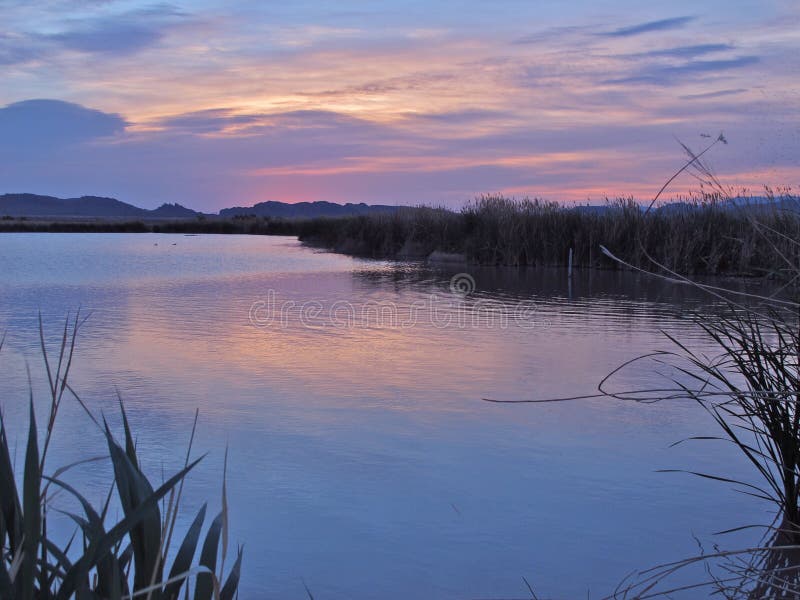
x=569 y=264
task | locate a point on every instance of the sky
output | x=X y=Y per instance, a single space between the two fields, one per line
x=218 y=103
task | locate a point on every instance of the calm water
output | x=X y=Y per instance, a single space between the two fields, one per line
x=363 y=461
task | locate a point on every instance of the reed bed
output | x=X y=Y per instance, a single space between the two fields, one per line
x=22 y=225
x=236 y=225
x=707 y=235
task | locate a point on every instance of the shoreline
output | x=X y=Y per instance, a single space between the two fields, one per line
x=127 y=227
x=702 y=239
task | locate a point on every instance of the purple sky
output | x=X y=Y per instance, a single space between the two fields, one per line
x=214 y=103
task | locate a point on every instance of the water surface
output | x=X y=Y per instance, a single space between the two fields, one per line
x=362 y=459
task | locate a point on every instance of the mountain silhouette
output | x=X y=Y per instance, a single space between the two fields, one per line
x=37 y=206
x=305 y=209
x=34 y=205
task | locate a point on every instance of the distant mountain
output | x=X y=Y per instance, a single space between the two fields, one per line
x=173 y=211
x=789 y=203
x=750 y=203
x=306 y=209
x=98 y=207
x=590 y=208
x=33 y=205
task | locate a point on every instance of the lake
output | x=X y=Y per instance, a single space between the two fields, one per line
x=363 y=462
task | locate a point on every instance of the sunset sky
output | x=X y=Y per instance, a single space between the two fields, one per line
x=216 y=103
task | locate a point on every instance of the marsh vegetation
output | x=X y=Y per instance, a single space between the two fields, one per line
x=709 y=234
x=749 y=385
x=104 y=559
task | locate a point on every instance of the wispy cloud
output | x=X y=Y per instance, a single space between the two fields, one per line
x=213 y=120
x=650 y=27
x=464 y=117
x=111 y=37
x=664 y=75
x=241 y=101
x=715 y=94
x=551 y=34
x=685 y=51
x=16 y=49
x=119 y=34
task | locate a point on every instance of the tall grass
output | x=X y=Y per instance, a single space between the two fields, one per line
x=704 y=236
x=117 y=561
x=405 y=233
x=750 y=387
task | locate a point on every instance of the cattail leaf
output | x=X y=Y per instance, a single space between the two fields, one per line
x=183 y=560
x=32 y=511
x=9 y=500
x=97 y=549
x=232 y=583
x=204 y=589
x=92 y=518
x=126 y=556
x=6 y=586
x=84 y=525
x=2 y=530
x=130 y=446
x=134 y=489
x=62 y=564
x=109 y=578
x=224 y=512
